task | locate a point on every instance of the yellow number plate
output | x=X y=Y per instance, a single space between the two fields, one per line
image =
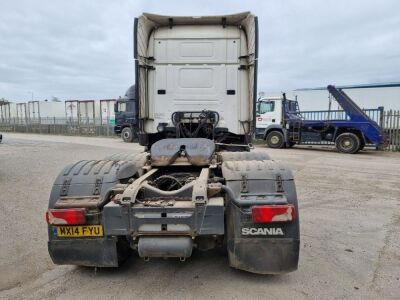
x=80 y=231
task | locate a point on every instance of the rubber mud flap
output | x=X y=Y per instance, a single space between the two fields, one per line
x=263 y=248
x=84 y=252
x=264 y=256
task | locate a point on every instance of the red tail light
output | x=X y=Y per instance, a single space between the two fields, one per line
x=273 y=213
x=70 y=216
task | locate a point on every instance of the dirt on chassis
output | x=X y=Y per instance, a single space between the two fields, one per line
x=182 y=195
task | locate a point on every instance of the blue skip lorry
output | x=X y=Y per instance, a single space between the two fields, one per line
x=281 y=125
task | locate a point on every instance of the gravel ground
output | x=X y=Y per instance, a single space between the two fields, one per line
x=350 y=231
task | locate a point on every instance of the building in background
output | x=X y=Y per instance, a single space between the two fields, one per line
x=48 y=112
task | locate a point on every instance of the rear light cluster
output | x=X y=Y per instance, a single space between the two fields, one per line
x=273 y=213
x=260 y=214
x=70 y=216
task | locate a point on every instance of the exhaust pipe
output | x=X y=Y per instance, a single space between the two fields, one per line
x=180 y=247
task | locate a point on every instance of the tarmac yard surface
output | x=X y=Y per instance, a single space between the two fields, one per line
x=349 y=215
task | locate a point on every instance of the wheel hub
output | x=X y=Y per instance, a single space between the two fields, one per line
x=347 y=143
x=274 y=140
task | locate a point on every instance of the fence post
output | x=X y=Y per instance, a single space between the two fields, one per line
x=398 y=131
x=392 y=142
x=386 y=130
x=387 y=125
x=381 y=116
x=108 y=125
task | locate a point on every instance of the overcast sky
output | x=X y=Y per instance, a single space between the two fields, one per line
x=83 y=49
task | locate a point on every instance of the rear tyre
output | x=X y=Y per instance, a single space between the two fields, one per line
x=348 y=143
x=362 y=145
x=275 y=139
x=127 y=135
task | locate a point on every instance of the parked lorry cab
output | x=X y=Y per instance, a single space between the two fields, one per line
x=198 y=185
x=281 y=125
x=126 y=118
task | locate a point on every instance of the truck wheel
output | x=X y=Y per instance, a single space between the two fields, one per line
x=348 y=143
x=275 y=139
x=127 y=135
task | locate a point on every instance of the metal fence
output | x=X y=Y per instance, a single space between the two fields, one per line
x=388 y=120
x=375 y=114
x=61 y=126
x=391 y=125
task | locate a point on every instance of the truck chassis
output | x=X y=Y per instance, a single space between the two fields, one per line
x=181 y=196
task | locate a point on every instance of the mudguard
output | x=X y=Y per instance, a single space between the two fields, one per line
x=138 y=159
x=269 y=248
x=85 y=252
x=250 y=155
x=88 y=178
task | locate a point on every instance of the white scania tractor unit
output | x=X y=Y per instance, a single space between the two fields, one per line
x=198 y=185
